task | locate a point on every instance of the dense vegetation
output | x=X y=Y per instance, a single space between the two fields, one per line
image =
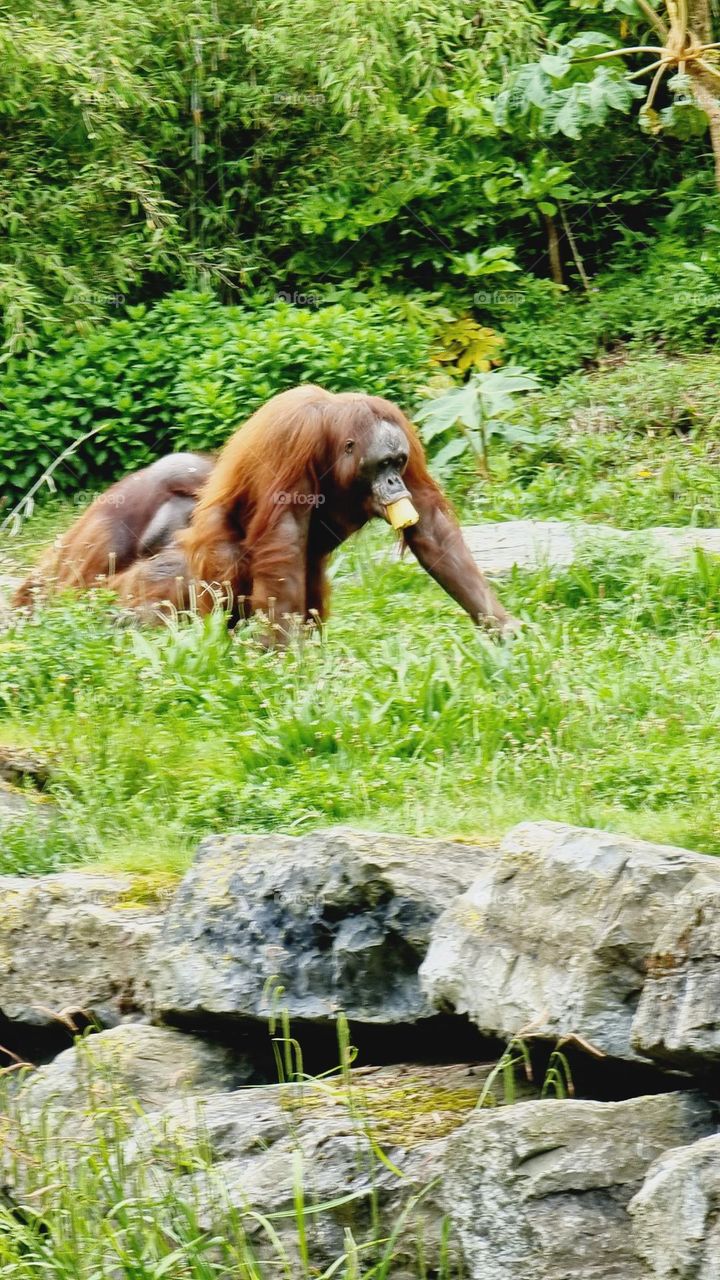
x=186 y=374
x=155 y=145
x=445 y=187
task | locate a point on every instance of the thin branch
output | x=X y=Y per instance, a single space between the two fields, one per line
x=620 y=53
x=26 y=500
x=577 y=258
x=654 y=87
x=662 y=62
x=653 y=18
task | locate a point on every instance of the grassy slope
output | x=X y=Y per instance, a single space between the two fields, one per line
x=633 y=444
x=405 y=718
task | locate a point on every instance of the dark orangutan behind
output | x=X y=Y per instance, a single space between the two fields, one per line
x=134 y=518
x=305 y=472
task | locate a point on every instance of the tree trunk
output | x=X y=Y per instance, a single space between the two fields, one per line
x=705 y=87
x=556 y=270
x=700 y=20
x=705 y=94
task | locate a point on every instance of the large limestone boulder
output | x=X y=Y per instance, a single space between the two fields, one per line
x=676 y=1223
x=73 y=943
x=678 y=1018
x=339 y=920
x=355 y=1149
x=556 y=934
x=542 y=1188
x=85 y=1102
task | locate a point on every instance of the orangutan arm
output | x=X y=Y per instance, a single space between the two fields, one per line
x=169 y=519
x=437 y=542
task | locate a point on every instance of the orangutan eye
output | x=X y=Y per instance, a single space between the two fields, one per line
x=349 y=446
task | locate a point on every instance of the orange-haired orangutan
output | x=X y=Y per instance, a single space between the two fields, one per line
x=134 y=518
x=306 y=471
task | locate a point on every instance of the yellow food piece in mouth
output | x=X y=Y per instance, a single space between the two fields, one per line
x=401 y=514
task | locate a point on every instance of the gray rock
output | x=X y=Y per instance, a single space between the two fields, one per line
x=339 y=919
x=85 y=1102
x=541 y=1188
x=73 y=943
x=17 y=806
x=228 y=1159
x=499 y=546
x=263 y=1144
x=678 y=1018
x=555 y=935
x=675 y=1215
x=131 y=1065
x=23 y=774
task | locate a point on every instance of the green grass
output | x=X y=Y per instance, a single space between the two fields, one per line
x=604 y=712
x=631 y=482
x=634 y=444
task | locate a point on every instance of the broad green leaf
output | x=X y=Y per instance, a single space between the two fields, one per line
x=588 y=42
x=570 y=117
x=460 y=405
x=450 y=451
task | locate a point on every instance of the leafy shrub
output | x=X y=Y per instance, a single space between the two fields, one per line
x=472 y=415
x=673 y=303
x=634 y=444
x=187 y=373
x=643 y=395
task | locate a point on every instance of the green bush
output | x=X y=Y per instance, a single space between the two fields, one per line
x=185 y=374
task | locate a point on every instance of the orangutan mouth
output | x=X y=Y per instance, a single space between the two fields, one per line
x=401 y=513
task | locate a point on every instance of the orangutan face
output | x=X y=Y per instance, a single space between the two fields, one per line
x=381 y=458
